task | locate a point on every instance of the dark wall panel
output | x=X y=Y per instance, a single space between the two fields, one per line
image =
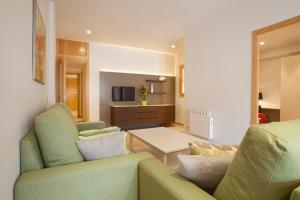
x=110 y=79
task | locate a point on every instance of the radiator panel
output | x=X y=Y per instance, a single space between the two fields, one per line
x=201 y=124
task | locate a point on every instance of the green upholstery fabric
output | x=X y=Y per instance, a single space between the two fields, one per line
x=84 y=126
x=57 y=134
x=158 y=182
x=31 y=158
x=65 y=107
x=266 y=166
x=296 y=194
x=107 y=179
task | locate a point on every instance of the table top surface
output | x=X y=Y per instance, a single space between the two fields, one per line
x=164 y=139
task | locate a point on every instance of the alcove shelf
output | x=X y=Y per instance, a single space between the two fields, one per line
x=155 y=81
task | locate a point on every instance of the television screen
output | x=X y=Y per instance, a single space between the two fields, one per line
x=123 y=93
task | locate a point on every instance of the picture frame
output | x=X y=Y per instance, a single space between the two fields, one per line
x=39 y=45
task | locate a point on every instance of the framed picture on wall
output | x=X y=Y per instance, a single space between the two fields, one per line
x=39 y=45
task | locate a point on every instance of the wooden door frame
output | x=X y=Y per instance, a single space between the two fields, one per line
x=255 y=61
x=181 y=78
x=84 y=71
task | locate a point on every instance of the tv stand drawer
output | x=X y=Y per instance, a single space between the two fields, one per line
x=142 y=116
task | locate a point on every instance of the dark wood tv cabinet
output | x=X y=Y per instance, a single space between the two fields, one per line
x=136 y=116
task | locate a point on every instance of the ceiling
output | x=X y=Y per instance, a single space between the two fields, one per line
x=150 y=24
x=281 y=37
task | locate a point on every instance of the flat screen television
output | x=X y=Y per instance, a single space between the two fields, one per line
x=120 y=93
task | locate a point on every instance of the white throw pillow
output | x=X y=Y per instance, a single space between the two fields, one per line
x=206 y=172
x=92 y=132
x=102 y=146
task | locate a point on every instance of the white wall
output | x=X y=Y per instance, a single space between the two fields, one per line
x=179 y=109
x=51 y=55
x=218 y=55
x=114 y=58
x=269 y=82
x=290 y=82
x=21 y=97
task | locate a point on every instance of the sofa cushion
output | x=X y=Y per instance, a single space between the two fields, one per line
x=211 y=149
x=99 y=131
x=31 y=158
x=57 y=134
x=103 y=146
x=107 y=179
x=204 y=171
x=266 y=165
x=295 y=194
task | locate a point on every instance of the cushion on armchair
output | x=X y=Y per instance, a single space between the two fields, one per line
x=295 y=194
x=208 y=163
x=102 y=145
x=57 y=133
x=266 y=165
x=92 y=132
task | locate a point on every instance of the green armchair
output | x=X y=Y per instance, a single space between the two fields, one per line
x=130 y=177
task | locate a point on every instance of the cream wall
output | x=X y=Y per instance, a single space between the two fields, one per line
x=115 y=58
x=179 y=109
x=269 y=82
x=290 y=82
x=218 y=55
x=21 y=97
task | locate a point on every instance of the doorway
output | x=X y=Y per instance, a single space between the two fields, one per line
x=73 y=98
x=276 y=51
x=72 y=86
x=72 y=67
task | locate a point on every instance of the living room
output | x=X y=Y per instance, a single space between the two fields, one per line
x=202 y=49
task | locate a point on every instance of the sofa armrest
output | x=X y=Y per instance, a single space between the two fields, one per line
x=83 y=126
x=106 y=179
x=160 y=183
x=295 y=194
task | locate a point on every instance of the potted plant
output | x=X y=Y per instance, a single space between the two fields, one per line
x=143 y=93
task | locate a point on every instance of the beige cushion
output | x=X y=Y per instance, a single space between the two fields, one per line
x=208 y=163
x=211 y=149
x=92 y=132
x=102 y=145
x=204 y=171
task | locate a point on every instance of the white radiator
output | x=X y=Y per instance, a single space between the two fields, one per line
x=201 y=124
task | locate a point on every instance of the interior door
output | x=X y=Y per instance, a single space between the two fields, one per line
x=72 y=93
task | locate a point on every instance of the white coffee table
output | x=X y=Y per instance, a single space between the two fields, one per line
x=165 y=140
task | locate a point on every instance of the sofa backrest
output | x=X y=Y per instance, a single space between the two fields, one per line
x=266 y=166
x=31 y=158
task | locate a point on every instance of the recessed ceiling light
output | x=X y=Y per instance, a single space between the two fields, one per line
x=88 y=32
x=82 y=50
x=262 y=43
x=173 y=46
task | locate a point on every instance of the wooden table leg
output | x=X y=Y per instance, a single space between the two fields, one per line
x=130 y=141
x=165 y=159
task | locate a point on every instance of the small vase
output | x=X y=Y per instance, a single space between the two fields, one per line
x=144 y=103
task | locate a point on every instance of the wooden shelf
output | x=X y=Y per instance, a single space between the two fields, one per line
x=156 y=81
x=158 y=93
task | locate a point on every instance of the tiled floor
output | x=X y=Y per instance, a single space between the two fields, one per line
x=139 y=146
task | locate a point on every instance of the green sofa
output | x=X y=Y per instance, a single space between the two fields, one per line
x=265 y=168
x=128 y=177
